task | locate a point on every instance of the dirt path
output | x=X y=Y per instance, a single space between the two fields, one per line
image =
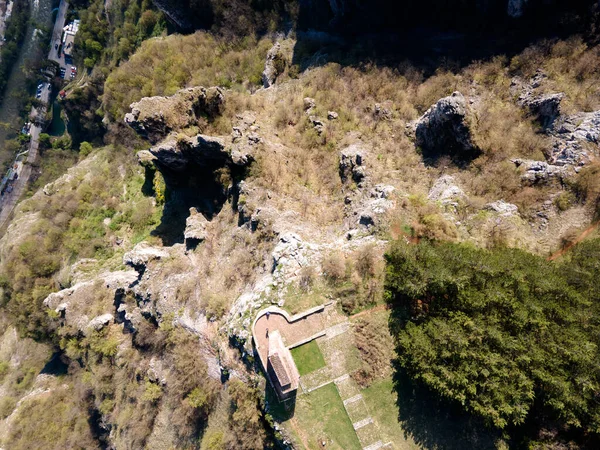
x=368 y=311
x=299 y=433
x=579 y=238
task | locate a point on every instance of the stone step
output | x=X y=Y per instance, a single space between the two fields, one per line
x=375 y=446
x=336 y=330
x=353 y=399
x=361 y=423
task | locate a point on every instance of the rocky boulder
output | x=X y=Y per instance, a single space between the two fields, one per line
x=195 y=228
x=444 y=130
x=446 y=191
x=99 y=322
x=352 y=160
x=155 y=117
x=502 y=208
x=318 y=124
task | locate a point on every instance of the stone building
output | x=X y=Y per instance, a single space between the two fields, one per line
x=281 y=367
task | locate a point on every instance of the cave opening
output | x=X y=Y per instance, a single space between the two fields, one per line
x=203 y=187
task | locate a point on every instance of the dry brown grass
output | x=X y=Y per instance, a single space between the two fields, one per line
x=375 y=345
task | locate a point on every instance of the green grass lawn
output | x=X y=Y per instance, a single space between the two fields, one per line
x=308 y=357
x=381 y=401
x=322 y=415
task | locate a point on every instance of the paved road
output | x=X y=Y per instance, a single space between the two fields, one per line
x=57 y=33
x=56 y=39
x=9 y=200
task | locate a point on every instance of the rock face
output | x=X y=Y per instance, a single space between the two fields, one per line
x=546 y=107
x=537 y=172
x=444 y=130
x=142 y=254
x=575 y=139
x=155 y=117
x=274 y=65
x=177 y=12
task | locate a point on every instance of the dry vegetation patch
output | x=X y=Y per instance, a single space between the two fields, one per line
x=376 y=348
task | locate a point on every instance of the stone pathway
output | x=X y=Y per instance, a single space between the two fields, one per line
x=338 y=358
x=365 y=427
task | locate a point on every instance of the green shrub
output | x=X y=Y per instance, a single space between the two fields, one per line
x=85 y=148
x=7 y=406
x=4 y=366
x=564 y=201
x=152 y=392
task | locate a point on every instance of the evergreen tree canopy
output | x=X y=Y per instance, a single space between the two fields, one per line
x=505 y=333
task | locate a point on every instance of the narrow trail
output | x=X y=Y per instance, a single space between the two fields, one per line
x=299 y=432
x=572 y=244
x=368 y=311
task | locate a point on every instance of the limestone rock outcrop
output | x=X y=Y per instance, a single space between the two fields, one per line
x=78 y=305
x=142 y=254
x=446 y=191
x=444 y=130
x=546 y=108
x=576 y=139
x=155 y=117
x=536 y=172
x=274 y=65
x=195 y=227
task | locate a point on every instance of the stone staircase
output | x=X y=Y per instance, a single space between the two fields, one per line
x=365 y=427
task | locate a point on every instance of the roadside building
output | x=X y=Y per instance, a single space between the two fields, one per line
x=68 y=40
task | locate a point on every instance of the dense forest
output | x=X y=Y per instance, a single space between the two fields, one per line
x=511 y=337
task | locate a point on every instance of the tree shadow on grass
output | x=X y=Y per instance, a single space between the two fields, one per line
x=435 y=424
